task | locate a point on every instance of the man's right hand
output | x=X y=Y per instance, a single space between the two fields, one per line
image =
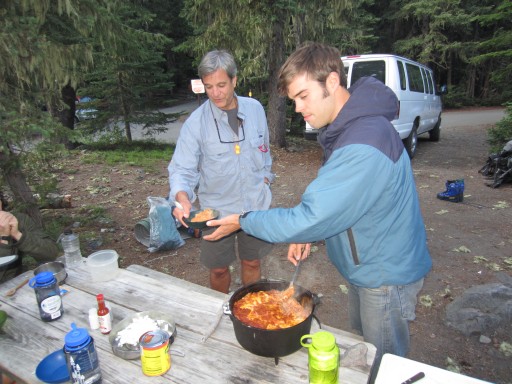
x=183 y=207
x=298 y=252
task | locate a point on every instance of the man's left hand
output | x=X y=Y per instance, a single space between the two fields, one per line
x=227 y=225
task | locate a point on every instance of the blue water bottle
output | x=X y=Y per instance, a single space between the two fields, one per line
x=47 y=295
x=81 y=357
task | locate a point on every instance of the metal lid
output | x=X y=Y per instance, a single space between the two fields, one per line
x=154 y=339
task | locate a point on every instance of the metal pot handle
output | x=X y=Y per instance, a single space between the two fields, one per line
x=317 y=320
x=226 y=309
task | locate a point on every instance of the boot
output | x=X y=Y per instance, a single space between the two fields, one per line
x=454 y=191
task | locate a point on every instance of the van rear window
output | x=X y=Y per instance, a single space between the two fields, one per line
x=375 y=68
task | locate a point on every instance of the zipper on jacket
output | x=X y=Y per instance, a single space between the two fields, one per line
x=353 y=249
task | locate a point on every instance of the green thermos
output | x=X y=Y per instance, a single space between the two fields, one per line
x=324 y=357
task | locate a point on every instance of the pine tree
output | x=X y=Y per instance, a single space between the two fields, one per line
x=126 y=75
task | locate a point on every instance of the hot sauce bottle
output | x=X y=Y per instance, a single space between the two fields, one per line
x=103 y=315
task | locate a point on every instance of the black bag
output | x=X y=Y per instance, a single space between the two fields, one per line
x=498 y=167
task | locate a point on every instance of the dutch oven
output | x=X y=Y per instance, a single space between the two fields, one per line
x=272 y=342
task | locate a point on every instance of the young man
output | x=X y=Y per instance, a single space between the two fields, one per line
x=224 y=150
x=363 y=201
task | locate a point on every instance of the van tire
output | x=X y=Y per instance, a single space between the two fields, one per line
x=435 y=133
x=411 y=142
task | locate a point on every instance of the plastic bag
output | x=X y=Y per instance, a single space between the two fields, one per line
x=163 y=234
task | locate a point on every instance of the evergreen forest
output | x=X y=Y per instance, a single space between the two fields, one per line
x=133 y=56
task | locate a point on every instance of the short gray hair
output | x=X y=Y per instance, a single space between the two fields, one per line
x=218 y=59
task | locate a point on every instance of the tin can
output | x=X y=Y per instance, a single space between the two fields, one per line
x=154 y=353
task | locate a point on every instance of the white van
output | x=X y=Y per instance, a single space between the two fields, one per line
x=413 y=83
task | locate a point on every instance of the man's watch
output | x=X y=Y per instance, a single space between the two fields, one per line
x=243 y=214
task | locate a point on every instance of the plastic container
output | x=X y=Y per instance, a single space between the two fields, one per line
x=48 y=296
x=103 y=265
x=71 y=246
x=323 y=357
x=94 y=322
x=81 y=356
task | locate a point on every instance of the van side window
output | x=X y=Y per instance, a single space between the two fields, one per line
x=431 y=82
x=425 y=80
x=375 y=68
x=401 y=74
x=414 y=77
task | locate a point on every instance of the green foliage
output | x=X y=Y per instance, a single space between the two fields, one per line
x=137 y=153
x=55 y=222
x=456 y=98
x=35 y=136
x=466 y=43
x=44 y=46
x=127 y=74
x=501 y=133
x=215 y=24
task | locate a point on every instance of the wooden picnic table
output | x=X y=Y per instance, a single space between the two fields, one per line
x=25 y=339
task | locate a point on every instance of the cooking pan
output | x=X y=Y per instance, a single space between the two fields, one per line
x=272 y=342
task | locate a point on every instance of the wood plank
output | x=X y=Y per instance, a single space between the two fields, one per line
x=141 y=270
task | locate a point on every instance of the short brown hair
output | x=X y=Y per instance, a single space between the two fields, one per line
x=315 y=59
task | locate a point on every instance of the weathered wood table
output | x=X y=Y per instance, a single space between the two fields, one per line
x=25 y=339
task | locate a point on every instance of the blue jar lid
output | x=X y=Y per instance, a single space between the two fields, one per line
x=76 y=337
x=42 y=279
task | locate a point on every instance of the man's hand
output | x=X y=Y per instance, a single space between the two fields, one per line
x=298 y=252
x=183 y=207
x=9 y=225
x=227 y=225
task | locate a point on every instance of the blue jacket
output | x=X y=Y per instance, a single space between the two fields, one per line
x=363 y=201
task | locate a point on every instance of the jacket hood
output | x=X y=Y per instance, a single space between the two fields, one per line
x=369 y=97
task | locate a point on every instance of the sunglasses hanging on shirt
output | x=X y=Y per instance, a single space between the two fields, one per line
x=236 y=142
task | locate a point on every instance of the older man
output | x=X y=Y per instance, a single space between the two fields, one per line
x=223 y=150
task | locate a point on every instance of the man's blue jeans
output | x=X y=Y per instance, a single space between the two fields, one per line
x=382 y=315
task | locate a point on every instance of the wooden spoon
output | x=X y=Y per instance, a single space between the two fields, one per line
x=12 y=291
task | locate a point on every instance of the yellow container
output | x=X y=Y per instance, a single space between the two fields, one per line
x=154 y=353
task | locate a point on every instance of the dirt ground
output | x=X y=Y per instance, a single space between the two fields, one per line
x=457 y=235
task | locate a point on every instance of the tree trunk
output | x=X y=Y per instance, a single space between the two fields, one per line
x=470 y=82
x=15 y=179
x=449 y=70
x=125 y=110
x=276 y=114
x=67 y=115
x=299 y=28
